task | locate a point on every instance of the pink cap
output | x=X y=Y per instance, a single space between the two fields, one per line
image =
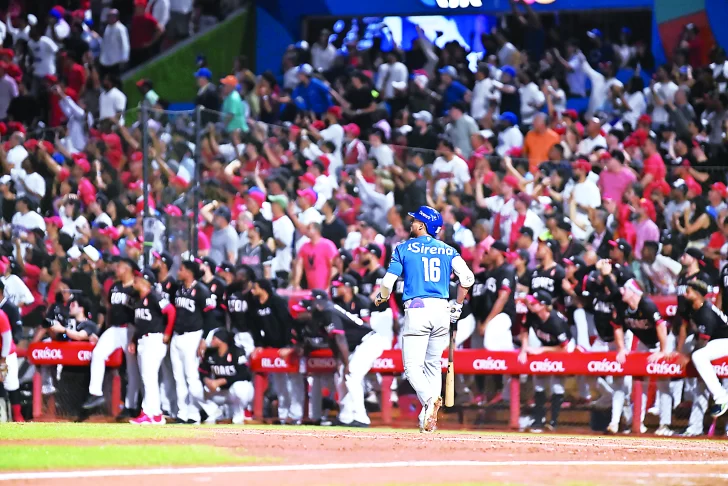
x=308 y=194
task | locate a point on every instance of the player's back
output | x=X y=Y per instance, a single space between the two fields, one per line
x=426 y=267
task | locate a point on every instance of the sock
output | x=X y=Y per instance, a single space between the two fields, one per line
x=539 y=411
x=17 y=414
x=556 y=401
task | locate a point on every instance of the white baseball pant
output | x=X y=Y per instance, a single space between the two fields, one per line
x=167 y=388
x=424 y=338
x=237 y=398
x=351 y=386
x=383 y=324
x=291 y=391
x=111 y=340
x=715 y=349
x=11 y=381
x=498 y=335
x=151 y=351
x=582 y=329
x=664 y=397
x=185 y=368
x=466 y=327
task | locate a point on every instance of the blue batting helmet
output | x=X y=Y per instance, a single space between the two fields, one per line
x=430 y=217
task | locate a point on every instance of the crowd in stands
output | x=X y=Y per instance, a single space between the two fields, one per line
x=306 y=176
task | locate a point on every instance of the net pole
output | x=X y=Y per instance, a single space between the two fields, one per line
x=198 y=172
x=145 y=180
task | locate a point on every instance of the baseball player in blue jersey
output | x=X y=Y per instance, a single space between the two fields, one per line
x=426 y=264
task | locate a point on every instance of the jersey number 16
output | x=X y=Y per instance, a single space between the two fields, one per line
x=432 y=269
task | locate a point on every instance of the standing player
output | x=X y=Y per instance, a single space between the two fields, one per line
x=637 y=313
x=193 y=304
x=120 y=329
x=9 y=366
x=382 y=317
x=153 y=321
x=712 y=342
x=552 y=334
x=166 y=287
x=549 y=275
x=426 y=265
x=217 y=286
x=500 y=302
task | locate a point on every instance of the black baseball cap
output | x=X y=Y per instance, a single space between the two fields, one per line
x=552 y=245
x=574 y=260
x=318 y=294
x=165 y=258
x=697 y=254
x=346 y=256
x=222 y=334
x=148 y=275
x=226 y=267
x=499 y=245
x=540 y=296
x=564 y=224
x=345 y=280
x=132 y=264
x=375 y=250
x=209 y=262
x=525 y=230
x=224 y=211
x=622 y=245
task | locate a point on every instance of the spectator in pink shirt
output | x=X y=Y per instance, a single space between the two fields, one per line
x=645 y=226
x=616 y=178
x=315 y=260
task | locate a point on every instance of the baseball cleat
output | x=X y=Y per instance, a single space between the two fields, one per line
x=691 y=433
x=238 y=419
x=430 y=421
x=93 y=402
x=664 y=431
x=613 y=428
x=718 y=409
x=143 y=419
x=159 y=420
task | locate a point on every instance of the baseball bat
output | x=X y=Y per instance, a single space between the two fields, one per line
x=450 y=379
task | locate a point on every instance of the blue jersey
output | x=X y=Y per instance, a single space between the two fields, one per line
x=425 y=264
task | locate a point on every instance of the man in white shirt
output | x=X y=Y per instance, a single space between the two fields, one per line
x=390 y=72
x=283 y=232
x=159 y=10
x=112 y=102
x=57 y=29
x=78 y=119
x=114 y=44
x=44 y=54
x=658 y=94
x=484 y=93
x=601 y=85
x=461 y=127
x=659 y=270
x=575 y=77
x=448 y=168
x=333 y=132
x=585 y=193
x=593 y=139
x=26 y=218
x=511 y=136
x=379 y=150
x=323 y=53
x=460 y=234
x=532 y=98
x=17 y=153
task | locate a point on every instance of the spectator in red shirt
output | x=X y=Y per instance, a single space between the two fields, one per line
x=56 y=118
x=654 y=166
x=144 y=34
x=74 y=73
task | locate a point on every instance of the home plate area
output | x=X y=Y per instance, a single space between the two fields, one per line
x=302 y=456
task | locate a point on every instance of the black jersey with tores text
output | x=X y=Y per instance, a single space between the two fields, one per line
x=232 y=366
x=554 y=331
x=336 y=321
x=148 y=316
x=371 y=281
x=193 y=305
x=497 y=279
x=549 y=280
x=684 y=309
x=121 y=311
x=710 y=321
x=360 y=306
x=642 y=321
x=237 y=304
x=167 y=288
x=601 y=304
x=271 y=324
x=478 y=297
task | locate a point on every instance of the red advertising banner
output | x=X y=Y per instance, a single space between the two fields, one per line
x=482 y=362
x=67 y=353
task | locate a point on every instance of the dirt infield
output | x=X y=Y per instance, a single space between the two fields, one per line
x=319 y=456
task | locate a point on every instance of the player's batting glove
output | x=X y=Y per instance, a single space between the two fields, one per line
x=455 y=311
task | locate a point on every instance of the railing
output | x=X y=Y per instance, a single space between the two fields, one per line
x=70 y=353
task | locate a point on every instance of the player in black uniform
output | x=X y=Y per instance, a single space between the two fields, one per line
x=194 y=304
x=166 y=286
x=498 y=300
x=619 y=255
x=73 y=324
x=637 y=313
x=346 y=295
x=271 y=322
x=356 y=347
x=548 y=276
x=227 y=379
x=712 y=325
x=118 y=334
x=13 y=313
x=237 y=302
x=382 y=317
x=722 y=299
x=154 y=318
x=546 y=330
x=217 y=286
x=693 y=263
